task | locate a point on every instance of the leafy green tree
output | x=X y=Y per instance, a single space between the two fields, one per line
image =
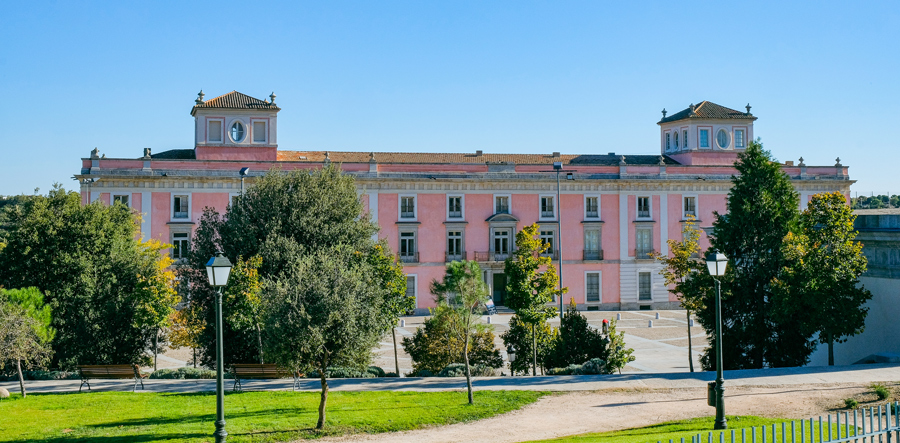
x=680 y=266
x=243 y=299
x=463 y=294
x=576 y=342
x=25 y=331
x=821 y=273
x=328 y=308
x=528 y=341
x=187 y=326
x=617 y=354
x=528 y=288
x=93 y=271
x=762 y=209
x=435 y=345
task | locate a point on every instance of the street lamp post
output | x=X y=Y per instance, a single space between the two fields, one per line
x=244 y=172
x=218 y=269
x=511 y=353
x=557 y=166
x=717 y=262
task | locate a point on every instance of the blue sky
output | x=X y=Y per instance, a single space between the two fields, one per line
x=456 y=76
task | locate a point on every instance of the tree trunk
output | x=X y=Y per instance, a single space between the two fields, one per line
x=21 y=379
x=324 y=398
x=396 y=359
x=155 y=348
x=690 y=345
x=468 y=371
x=259 y=342
x=830 y=351
x=195 y=357
x=533 y=351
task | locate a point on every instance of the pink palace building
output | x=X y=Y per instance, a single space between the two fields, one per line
x=601 y=213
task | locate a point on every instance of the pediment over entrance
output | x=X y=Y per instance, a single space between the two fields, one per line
x=502 y=218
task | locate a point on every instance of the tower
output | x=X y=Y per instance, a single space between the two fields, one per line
x=706 y=134
x=235 y=126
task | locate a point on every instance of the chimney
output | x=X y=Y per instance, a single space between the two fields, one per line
x=556 y=155
x=479 y=153
x=789 y=163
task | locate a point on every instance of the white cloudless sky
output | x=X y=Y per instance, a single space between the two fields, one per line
x=454 y=76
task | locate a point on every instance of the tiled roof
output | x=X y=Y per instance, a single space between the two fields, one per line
x=235 y=100
x=457 y=158
x=176 y=154
x=708 y=110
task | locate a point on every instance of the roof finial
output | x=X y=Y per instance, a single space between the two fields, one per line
x=664 y=112
x=691 y=114
x=801 y=162
x=662 y=161
x=838 y=162
x=327 y=160
x=621 y=160
x=147 y=153
x=272 y=96
x=95 y=153
x=371 y=156
x=200 y=96
x=748 y=108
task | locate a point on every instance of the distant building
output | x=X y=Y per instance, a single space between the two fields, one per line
x=612 y=209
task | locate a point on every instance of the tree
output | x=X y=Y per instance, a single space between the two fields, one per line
x=187 y=326
x=328 y=308
x=527 y=341
x=529 y=290
x=576 y=342
x=463 y=294
x=155 y=296
x=617 y=354
x=822 y=269
x=242 y=297
x=680 y=266
x=24 y=336
x=435 y=345
x=762 y=209
x=93 y=271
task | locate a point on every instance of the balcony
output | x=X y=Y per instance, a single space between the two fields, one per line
x=408 y=257
x=456 y=256
x=554 y=254
x=491 y=256
x=643 y=213
x=547 y=214
x=643 y=254
x=593 y=254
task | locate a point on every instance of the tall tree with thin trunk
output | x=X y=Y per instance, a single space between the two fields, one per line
x=25 y=330
x=242 y=298
x=821 y=274
x=462 y=292
x=682 y=262
x=531 y=283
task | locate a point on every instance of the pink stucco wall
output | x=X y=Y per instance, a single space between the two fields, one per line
x=162 y=214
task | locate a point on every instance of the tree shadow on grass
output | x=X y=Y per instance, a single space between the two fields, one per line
x=154 y=437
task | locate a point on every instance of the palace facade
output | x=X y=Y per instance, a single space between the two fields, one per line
x=602 y=214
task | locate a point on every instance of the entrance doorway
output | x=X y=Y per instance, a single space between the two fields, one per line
x=499 y=287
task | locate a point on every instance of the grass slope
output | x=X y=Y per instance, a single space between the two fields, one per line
x=107 y=417
x=676 y=430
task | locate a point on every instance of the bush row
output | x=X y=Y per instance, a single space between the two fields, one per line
x=593 y=366
x=456 y=370
x=41 y=375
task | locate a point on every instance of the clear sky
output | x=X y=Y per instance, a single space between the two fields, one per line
x=453 y=76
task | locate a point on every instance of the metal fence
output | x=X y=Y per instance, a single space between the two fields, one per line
x=873 y=425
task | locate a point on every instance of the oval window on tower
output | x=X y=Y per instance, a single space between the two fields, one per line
x=722 y=139
x=237 y=132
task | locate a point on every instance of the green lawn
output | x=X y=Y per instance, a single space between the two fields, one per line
x=675 y=430
x=250 y=416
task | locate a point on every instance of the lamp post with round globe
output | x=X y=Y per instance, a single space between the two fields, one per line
x=717 y=262
x=218 y=269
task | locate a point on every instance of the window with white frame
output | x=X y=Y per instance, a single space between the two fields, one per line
x=592 y=246
x=259 y=132
x=237 y=132
x=411 y=286
x=501 y=204
x=124 y=199
x=644 y=286
x=591 y=207
x=592 y=287
x=643 y=243
x=180 y=206
x=704 y=138
x=407 y=206
x=547 y=208
x=643 y=207
x=668 y=141
x=455 y=246
x=689 y=207
x=214 y=130
x=547 y=239
x=684 y=139
x=454 y=206
x=501 y=242
x=181 y=245
x=408 y=253
x=722 y=138
x=738 y=138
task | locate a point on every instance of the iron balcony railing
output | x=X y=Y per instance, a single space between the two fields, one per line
x=456 y=256
x=491 y=256
x=593 y=254
x=553 y=254
x=643 y=254
x=408 y=257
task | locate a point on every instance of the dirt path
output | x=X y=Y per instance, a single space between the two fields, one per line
x=609 y=410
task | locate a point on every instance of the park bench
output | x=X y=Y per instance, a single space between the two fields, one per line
x=89 y=372
x=253 y=370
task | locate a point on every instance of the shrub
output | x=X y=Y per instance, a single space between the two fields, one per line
x=342 y=372
x=375 y=371
x=881 y=391
x=435 y=346
x=183 y=373
x=576 y=341
x=453 y=370
x=391 y=374
x=850 y=403
x=568 y=370
x=594 y=366
x=519 y=336
x=421 y=373
x=41 y=375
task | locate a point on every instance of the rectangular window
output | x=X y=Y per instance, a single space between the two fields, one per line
x=643 y=243
x=643 y=207
x=407 y=207
x=676 y=139
x=408 y=247
x=181 y=245
x=592 y=250
x=501 y=204
x=259 y=132
x=592 y=207
x=501 y=244
x=592 y=287
x=644 y=286
x=214 y=131
x=704 y=138
x=411 y=286
x=668 y=141
x=690 y=207
x=684 y=139
x=739 y=138
x=547 y=207
x=123 y=199
x=547 y=239
x=454 y=207
x=180 y=206
x=454 y=246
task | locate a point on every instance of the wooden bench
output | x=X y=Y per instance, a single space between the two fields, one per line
x=89 y=372
x=254 y=370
